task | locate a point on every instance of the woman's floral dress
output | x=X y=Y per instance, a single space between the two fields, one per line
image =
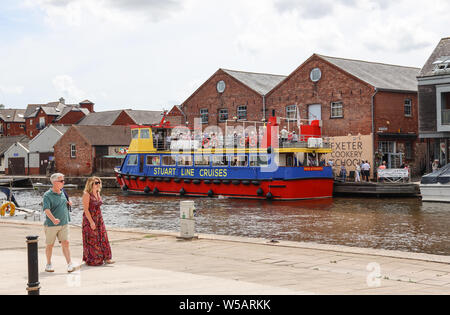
x=96 y=248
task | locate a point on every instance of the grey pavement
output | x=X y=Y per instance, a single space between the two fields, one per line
x=157 y=263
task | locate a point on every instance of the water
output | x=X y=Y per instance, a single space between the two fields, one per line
x=395 y=224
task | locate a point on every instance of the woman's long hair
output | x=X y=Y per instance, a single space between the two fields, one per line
x=90 y=184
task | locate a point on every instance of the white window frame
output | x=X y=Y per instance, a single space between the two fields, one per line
x=204 y=113
x=223 y=113
x=73 y=151
x=408 y=104
x=240 y=110
x=337 y=107
x=291 y=112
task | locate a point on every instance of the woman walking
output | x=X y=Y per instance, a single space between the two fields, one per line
x=96 y=248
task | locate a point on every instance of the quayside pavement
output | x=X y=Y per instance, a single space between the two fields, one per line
x=157 y=263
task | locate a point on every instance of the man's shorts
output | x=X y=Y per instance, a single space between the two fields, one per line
x=51 y=232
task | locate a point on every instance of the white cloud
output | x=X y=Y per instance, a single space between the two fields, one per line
x=125 y=13
x=17 y=90
x=65 y=86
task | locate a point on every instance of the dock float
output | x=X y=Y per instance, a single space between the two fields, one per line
x=376 y=189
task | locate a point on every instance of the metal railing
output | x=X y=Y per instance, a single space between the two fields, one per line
x=446 y=117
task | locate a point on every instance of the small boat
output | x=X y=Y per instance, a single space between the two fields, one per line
x=41 y=186
x=436 y=186
x=245 y=168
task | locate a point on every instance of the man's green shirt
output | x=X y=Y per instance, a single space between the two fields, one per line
x=57 y=203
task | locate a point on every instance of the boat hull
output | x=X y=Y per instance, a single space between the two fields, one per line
x=435 y=192
x=295 y=189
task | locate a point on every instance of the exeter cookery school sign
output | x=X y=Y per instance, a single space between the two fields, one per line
x=350 y=150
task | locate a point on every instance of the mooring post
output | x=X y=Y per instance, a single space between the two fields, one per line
x=33 y=266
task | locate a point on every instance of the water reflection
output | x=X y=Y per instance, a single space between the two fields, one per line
x=398 y=224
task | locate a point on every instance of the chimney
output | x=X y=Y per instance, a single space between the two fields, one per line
x=62 y=100
x=88 y=105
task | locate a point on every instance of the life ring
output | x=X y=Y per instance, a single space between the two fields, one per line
x=8 y=205
x=253 y=142
x=242 y=143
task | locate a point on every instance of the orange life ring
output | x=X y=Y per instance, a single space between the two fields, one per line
x=8 y=206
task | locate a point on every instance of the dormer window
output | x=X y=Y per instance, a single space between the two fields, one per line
x=441 y=64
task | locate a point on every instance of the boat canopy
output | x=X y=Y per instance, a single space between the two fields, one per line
x=441 y=176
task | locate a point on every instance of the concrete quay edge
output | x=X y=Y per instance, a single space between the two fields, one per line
x=279 y=243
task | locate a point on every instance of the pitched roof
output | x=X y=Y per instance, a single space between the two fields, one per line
x=379 y=75
x=262 y=83
x=72 y=108
x=12 y=115
x=100 y=118
x=145 y=117
x=105 y=135
x=440 y=54
x=7 y=142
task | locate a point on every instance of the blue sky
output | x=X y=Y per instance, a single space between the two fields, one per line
x=152 y=54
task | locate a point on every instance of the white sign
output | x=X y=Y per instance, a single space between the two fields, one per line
x=394 y=173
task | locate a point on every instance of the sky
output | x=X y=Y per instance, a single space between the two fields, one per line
x=153 y=54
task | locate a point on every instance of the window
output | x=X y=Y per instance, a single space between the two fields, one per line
x=8 y=126
x=184 y=160
x=31 y=122
x=408 y=108
x=145 y=133
x=204 y=115
x=242 y=113
x=135 y=134
x=258 y=160
x=223 y=115
x=239 y=161
x=22 y=126
x=291 y=112
x=73 y=150
x=201 y=160
x=386 y=146
x=316 y=75
x=153 y=160
x=220 y=161
x=408 y=150
x=168 y=160
x=132 y=160
x=337 y=110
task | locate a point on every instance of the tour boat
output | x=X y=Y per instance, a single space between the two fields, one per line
x=436 y=186
x=249 y=167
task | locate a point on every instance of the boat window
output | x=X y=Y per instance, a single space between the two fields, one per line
x=220 y=160
x=258 y=160
x=239 y=161
x=185 y=160
x=168 y=160
x=132 y=160
x=145 y=133
x=154 y=160
x=201 y=160
x=135 y=133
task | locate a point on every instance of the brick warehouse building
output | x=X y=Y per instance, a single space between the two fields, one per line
x=368 y=109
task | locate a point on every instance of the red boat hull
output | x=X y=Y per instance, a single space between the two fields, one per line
x=297 y=189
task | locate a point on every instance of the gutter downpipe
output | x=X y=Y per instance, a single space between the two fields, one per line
x=373 y=127
x=264 y=107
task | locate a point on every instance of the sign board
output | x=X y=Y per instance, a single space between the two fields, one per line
x=16 y=154
x=394 y=173
x=349 y=151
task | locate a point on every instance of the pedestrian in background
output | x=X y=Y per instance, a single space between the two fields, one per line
x=96 y=248
x=358 y=173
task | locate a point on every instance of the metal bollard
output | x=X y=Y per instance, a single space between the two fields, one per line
x=33 y=266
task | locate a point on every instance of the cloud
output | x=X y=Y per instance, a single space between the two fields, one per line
x=17 y=90
x=65 y=86
x=121 y=12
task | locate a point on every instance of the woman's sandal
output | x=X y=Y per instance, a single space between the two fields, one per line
x=110 y=262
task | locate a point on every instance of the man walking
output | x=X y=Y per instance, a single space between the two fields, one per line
x=56 y=225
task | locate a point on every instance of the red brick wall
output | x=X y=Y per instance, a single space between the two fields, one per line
x=88 y=106
x=79 y=166
x=389 y=107
x=31 y=129
x=236 y=94
x=14 y=129
x=71 y=118
x=334 y=86
x=123 y=120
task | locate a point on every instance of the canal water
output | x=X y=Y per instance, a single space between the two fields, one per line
x=396 y=224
